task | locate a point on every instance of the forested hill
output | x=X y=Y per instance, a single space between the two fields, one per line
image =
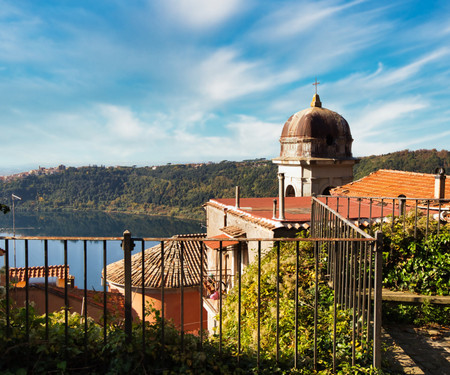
x=178 y=190
x=424 y=161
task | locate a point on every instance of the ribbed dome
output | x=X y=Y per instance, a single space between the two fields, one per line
x=316 y=132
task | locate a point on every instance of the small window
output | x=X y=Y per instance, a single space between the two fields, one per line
x=330 y=140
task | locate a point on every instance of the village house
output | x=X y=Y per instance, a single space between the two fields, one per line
x=181 y=279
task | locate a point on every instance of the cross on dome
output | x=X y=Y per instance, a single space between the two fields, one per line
x=315 y=84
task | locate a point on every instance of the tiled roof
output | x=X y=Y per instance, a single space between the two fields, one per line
x=297 y=210
x=390 y=183
x=225 y=239
x=38 y=272
x=172 y=264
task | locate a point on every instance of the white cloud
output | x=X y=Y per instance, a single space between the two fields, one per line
x=378 y=118
x=201 y=14
x=299 y=17
x=247 y=137
x=224 y=75
x=121 y=122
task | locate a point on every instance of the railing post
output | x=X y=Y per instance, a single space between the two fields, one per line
x=378 y=280
x=127 y=246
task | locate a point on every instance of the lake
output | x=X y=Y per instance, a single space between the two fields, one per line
x=85 y=224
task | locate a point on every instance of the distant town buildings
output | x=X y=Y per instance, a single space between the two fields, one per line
x=34 y=172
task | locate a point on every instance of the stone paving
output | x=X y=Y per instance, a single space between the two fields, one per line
x=421 y=350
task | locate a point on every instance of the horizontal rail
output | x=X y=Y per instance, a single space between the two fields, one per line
x=62 y=238
x=385 y=198
x=344 y=220
x=159 y=239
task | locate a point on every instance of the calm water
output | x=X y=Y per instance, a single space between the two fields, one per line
x=79 y=224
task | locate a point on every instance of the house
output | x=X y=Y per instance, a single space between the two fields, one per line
x=178 y=280
x=77 y=299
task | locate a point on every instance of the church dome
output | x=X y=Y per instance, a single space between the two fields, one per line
x=316 y=132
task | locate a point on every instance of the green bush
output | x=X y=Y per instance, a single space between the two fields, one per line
x=287 y=277
x=418 y=264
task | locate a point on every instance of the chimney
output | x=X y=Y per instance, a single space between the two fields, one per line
x=225 y=217
x=238 y=196
x=274 y=209
x=439 y=183
x=281 y=196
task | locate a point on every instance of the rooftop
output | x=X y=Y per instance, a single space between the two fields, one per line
x=297 y=210
x=390 y=183
x=172 y=264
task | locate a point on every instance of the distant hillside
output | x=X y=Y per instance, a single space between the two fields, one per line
x=178 y=190
x=423 y=161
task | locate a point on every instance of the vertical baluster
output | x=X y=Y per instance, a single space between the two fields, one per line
x=220 y=297
x=201 y=290
x=66 y=300
x=239 y=298
x=259 y=308
x=27 y=297
x=278 y=303
x=143 y=293
x=46 y=287
x=297 y=266
x=316 y=298
x=85 y=298
x=105 y=310
x=182 y=293
x=163 y=352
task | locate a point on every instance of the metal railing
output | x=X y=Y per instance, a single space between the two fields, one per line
x=354 y=271
x=416 y=216
x=351 y=264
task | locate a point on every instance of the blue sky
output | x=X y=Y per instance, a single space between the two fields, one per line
x=111 y=82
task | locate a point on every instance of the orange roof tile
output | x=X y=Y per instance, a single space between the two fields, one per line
x=172 y=264
x=216 y=244
x=297 y=209
x=390 y=183
x=38 y=272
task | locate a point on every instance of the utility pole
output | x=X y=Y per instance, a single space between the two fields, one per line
x=14 y=198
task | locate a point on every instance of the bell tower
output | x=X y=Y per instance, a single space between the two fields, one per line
x=316 y=151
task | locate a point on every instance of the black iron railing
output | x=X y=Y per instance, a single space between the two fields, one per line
x=337 y=251
x=418 y=215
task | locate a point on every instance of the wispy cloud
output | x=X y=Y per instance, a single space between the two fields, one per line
x=225 y=75
x=202 y=14
x=300 y=17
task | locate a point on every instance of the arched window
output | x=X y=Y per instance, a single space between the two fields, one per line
x=290 y=191
x=327 y=190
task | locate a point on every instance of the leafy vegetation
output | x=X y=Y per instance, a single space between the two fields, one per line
x=306 y=280
x=424 y=161
x=85 y=353
x=420 y=265
x=177 y=190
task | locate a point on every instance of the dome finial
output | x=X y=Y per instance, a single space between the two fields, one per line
x=316 y=99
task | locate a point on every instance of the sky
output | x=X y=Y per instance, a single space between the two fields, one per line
x=111 y=82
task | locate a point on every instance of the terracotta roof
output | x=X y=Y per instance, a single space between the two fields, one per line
x=225 y=242
x=38 y=272
x=297 y=210
x=172 y=264
x=390 y=183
